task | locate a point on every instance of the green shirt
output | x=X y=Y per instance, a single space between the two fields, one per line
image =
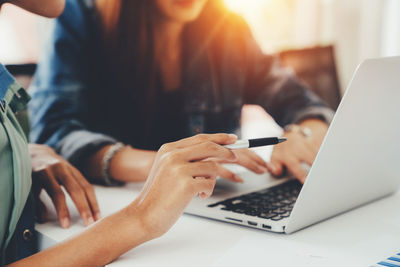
x=15 y=165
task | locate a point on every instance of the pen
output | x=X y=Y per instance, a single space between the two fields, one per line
x=256 y=142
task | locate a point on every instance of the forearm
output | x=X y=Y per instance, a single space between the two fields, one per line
x=127 y=165
x=98 y=245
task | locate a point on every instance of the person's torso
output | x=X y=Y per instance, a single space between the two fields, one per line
x=15 y=166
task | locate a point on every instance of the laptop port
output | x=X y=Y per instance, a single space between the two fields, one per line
x=233 y=219
x=252 y=223
x=266 y=226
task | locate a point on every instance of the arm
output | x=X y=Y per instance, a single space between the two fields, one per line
x=288 y=102
x=98 y=245
x=49 y=173
x=180 y=172
x=58 y=103
x=123 y=164
x=277 y=90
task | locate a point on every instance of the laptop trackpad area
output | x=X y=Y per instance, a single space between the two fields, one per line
x=252 y=182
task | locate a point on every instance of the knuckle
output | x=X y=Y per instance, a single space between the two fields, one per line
x=230 y=155
x=201 y=137
x=210 y=146
x=76 y=191
x=174 y=156
x=59 y=196
x=177 y=170
x=88 y=188
x=291 y=161
x=214 y=167
x=166 y=147
x=74 y=188
x=168 y=158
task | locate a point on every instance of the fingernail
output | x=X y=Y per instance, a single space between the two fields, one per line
x=90 y=220
x=65 y=223
x=233 y=136
x=98 y=216
x=234 y=158
x=238 y=179
x=262 y=169
x=272 y=167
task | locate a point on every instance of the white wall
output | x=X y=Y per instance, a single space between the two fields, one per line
x=364 y=29
x=359 y=29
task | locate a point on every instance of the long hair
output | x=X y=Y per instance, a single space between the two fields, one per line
x=128 y=41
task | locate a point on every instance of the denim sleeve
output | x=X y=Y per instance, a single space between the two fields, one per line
x=56 y=107
x=278 y=91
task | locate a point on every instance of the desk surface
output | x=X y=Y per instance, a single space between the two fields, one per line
x=360 y=237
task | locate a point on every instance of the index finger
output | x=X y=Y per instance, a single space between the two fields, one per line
x=219 y=138
x=204 y=151
x=89 y=191
x=76 y=192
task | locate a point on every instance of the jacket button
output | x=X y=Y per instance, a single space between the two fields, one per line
x=27 y=235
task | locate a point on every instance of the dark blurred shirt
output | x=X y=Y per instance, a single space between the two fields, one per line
x=76 y=110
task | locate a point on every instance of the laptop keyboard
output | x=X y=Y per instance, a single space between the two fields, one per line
x=275 y=203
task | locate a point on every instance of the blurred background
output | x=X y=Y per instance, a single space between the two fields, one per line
x=322 y=40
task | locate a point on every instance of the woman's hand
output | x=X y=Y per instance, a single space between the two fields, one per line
x=247 y=159
x=181 y=171
x=298 y=149
x=49 y=172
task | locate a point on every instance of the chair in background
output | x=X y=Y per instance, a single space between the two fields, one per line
x=316 y=67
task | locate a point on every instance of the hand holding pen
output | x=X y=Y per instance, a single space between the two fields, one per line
x=248 y=158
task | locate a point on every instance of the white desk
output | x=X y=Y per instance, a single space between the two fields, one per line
x=360 y=237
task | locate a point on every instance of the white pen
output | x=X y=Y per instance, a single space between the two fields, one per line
x=239 y=144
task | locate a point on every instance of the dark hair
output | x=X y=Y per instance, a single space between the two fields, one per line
x=129 y=45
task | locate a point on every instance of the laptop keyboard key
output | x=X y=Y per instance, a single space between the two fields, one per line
x=277 y=218
x=285 y=215
x=267 y=215
x=279 y=211
x=273 y=203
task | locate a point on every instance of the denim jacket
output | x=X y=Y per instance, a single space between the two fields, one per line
x=75 y=110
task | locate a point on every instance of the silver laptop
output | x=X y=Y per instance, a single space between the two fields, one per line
x=358 y=162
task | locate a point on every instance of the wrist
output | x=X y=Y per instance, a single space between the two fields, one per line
x=141 y=218
x=131 y=165
x=315 y=125
x=129 y=231
x=108 y=157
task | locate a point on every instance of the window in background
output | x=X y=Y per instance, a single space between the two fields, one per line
x=391 y=28
x=285 y=24
x=358 y=29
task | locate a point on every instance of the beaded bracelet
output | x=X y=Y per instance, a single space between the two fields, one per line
x=108 y=156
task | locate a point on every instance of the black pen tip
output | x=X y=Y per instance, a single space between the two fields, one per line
x=281 y=140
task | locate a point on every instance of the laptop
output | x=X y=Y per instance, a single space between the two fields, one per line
x=357 y=163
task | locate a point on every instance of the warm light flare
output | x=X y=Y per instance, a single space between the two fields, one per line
x=244 y=6
x=271 y=21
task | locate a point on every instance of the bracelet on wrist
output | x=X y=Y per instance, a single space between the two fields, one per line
x=304 y=131
x=106 y=163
